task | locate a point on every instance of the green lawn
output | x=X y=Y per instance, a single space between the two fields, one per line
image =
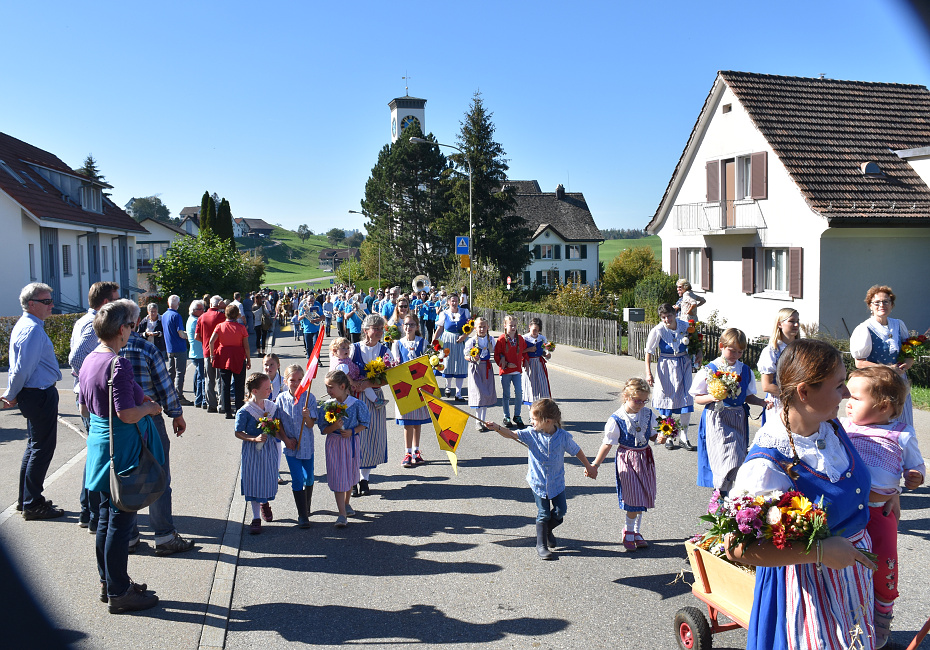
x=612 y=247
x=283 y=266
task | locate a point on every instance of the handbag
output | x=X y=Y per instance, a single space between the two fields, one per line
x=141 y=486
x=267 y=321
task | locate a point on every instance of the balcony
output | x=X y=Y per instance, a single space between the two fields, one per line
x=740 y=217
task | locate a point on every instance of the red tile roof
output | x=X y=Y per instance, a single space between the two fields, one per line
x=44 y=200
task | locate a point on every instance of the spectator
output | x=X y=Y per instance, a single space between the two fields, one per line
x=153 y=331
x=175 y=337
x=195 y=311
x=205 y=326
x=228 y=351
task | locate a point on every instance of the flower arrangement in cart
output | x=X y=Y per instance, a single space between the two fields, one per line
x=694 y=340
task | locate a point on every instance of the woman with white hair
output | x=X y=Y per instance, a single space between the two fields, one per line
x=153 y=331
x=688 y=301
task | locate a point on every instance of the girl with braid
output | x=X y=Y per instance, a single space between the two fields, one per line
x=822 y=598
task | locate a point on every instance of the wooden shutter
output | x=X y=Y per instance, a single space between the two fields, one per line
x=673 y=261
x=538 y=277
x=713 y=181
x=706 y=270
x=536 y=252
x=759 y=173
x=568 y=277
x=584 y=251
x=557 y=251
x=526 y=278
x=795 y=272
x=749 y=269
x=584 y=277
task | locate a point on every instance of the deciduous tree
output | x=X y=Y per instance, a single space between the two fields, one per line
x=193 y=266
x=304 y=232
x=150 y=207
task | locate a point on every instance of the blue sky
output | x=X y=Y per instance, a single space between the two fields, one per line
x=281 y=107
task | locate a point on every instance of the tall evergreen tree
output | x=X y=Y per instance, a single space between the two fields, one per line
x=500 y=235
x=224 y=223
x=405 y=200
x=90 y=170
x=205 y=224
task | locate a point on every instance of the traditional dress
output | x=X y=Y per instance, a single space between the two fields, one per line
x=535 y=376
x=482 y=389
x=768 y=365
x=634 y=465
x=452 y=323
x=673 y=369
x=723 y=434
x=803 y=606
x=259 y=466
x=373 y=450
x=343 y=454
x=872 y=341
x=404 y=350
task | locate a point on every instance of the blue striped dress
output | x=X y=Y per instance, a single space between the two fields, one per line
x=343 y=454
x=259 y=466
x=673 y=369
x=373 y=440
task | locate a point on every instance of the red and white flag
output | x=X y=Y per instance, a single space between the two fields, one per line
x=313 y=364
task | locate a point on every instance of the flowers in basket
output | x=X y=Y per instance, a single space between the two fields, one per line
x=270 y=427
x=376 y=371
x=666 y=427
x=391 y=334
x=913 y=346
x=724 y=384
x=468 y=327
x=332 y=410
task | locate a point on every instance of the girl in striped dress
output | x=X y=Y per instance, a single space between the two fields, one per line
x=297 y=420
x=260 y=453
x=373 y=450
x=535 y=376
x=631 y=428
x=787 y=326
x=406 y=349
x=343 y=446
x=449 y=330
x=482 y=389
x=822 y=598
x=673 y=367
x=723 y=434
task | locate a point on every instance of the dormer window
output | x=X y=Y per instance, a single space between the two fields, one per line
x=92 y=198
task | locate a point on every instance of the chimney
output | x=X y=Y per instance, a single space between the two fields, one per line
x=560 y=192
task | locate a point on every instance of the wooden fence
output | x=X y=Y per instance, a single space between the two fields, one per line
x=588 y=333
x=639 y=332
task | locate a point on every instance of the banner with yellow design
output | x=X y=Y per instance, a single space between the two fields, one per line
x=408 y=379
x=449 y=423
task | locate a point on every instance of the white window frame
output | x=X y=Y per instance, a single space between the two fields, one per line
x=104 y=265
x=743 y=177
x=689 y=266
x=574 y=276
x=773 y=269
x=573 y=251
x=65 y=259
x=550 y=277
x=92 y=198
x=546 y=252
x=32 y=262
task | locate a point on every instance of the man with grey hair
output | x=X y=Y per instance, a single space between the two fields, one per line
x=175 y=333
x=33 y=375
x=202 y=332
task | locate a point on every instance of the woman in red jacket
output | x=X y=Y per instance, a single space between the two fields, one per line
x=510 y=356
x=228 y=351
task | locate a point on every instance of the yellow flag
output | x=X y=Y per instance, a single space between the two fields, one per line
x=408 y=379
x=449 y=423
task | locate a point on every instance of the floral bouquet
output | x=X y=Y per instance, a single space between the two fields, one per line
x=436 y=354
x=332 y=410
x=468 y=327
x=913 y=346
x=391 y=334
x=695 y=342
x=376 y=371
x=474 y=352
x=549 y=346
x=270 y=427
x=667 y=427
x=723 y=384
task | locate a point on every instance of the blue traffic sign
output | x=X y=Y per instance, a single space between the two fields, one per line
x=461 y=245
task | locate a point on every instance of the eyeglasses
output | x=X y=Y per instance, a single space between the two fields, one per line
x=878 y=303
x=44 y=301
x=402 y=304
x=410 y=324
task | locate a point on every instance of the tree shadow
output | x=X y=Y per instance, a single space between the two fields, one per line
x=339 y=625
x=665 y=585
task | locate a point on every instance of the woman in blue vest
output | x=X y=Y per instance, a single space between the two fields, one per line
x=877 y=341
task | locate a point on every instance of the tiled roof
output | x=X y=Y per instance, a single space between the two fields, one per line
x=192 y=211
x=44 y=200
x=568 y=215
x=254 y=224
x=169 y=226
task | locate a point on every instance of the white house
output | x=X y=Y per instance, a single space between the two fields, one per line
x=565 y=239
x=804 y=193
x=59 y=229
x=190 y=220
x=150 y=247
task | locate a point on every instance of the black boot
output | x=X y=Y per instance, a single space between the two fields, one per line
x=308 y=497
x=541 y=548
x=301 y=502
x=553 y=523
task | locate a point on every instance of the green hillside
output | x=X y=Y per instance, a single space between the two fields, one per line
x=612 y=247
x=292 y=260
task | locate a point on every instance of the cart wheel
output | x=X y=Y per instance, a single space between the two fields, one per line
x=692 y=629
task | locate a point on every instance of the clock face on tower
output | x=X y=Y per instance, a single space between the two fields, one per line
x=394 y=127
x=407 y=121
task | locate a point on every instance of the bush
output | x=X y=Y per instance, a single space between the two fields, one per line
x=652 y=291
x=580 y=300
x=57 y=326
x=625 y=270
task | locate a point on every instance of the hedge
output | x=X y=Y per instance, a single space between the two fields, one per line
x=58 y=327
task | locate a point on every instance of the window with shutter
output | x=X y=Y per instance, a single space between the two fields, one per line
x=536 y=252
x=673 y=261
x=713 y=181
x=584 y=277
x=760 y=176
x=526 y=278
x=568 y=277
x=584 y=251
x=795 y=272
x=706 y=269
x=558 y=251
x=539 y=279
x=749 y=269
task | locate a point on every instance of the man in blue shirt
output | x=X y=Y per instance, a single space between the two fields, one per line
x=370 y=299
x=176 y=345
x=387 y=307
x=33 y=375
x=310 y=319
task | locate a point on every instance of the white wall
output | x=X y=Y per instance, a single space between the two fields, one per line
x=14 y=250
x=589 y=264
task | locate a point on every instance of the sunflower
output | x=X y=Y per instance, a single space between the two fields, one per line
x=666 y=429
x=467 y=328
x=330 y=417
x=474 y=352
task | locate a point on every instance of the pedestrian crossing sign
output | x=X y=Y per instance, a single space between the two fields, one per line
x=461 y=245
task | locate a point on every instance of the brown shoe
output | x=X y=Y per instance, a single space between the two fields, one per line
x=267 y=515
x=132 y=601
x=104 y=598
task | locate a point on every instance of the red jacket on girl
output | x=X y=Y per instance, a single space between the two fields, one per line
x=506 y=351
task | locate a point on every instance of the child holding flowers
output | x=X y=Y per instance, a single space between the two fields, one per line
x=669 y=341
x=482 y=391
x=297 y=420
x=344 y=418
x=340 y=350
x=535 y=377
x=725 y=387
x=889 y=448
x=787 y=326
x=820 y=598
x=510 y=355
x=261 y=449
x=548 y=443
x=406 y=349
x=631 y=427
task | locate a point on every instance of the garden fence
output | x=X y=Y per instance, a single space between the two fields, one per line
x=587 y=333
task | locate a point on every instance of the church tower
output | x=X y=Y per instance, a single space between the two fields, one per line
x=404 y=111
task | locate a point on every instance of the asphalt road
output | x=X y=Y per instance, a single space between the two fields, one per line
x=431 y=558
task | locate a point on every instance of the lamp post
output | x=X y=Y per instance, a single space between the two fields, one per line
x=379 y=250
x=471 y=240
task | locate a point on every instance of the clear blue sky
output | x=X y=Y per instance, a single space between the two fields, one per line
x=281 y=107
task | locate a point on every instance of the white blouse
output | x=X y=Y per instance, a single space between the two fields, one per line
x=672 y=337
x=860 y=343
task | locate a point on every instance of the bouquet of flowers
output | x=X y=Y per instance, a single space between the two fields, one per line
x=376 y=371
x=436 y=354
x=724 y=384
x=549 y=346
x=695 y=342
x=468 y=327
x=474 y=352
x=332 y=410
x=666 y=428
x=914 y=346
x=270 y=427
x=391 y=334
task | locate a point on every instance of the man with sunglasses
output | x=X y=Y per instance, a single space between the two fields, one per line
x=33 y=375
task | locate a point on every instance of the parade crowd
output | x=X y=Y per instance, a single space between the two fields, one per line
x=132 y=364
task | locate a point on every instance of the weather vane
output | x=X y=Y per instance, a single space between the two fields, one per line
x=406 y=79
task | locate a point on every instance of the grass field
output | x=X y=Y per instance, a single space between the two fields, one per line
x=292 y=260
x=612 y=247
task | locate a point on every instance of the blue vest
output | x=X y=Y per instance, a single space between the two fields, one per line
x=406 y=355
x=883 y=350
x=357 y=356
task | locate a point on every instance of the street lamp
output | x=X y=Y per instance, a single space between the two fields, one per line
x=379 y=250
x=471 y=292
